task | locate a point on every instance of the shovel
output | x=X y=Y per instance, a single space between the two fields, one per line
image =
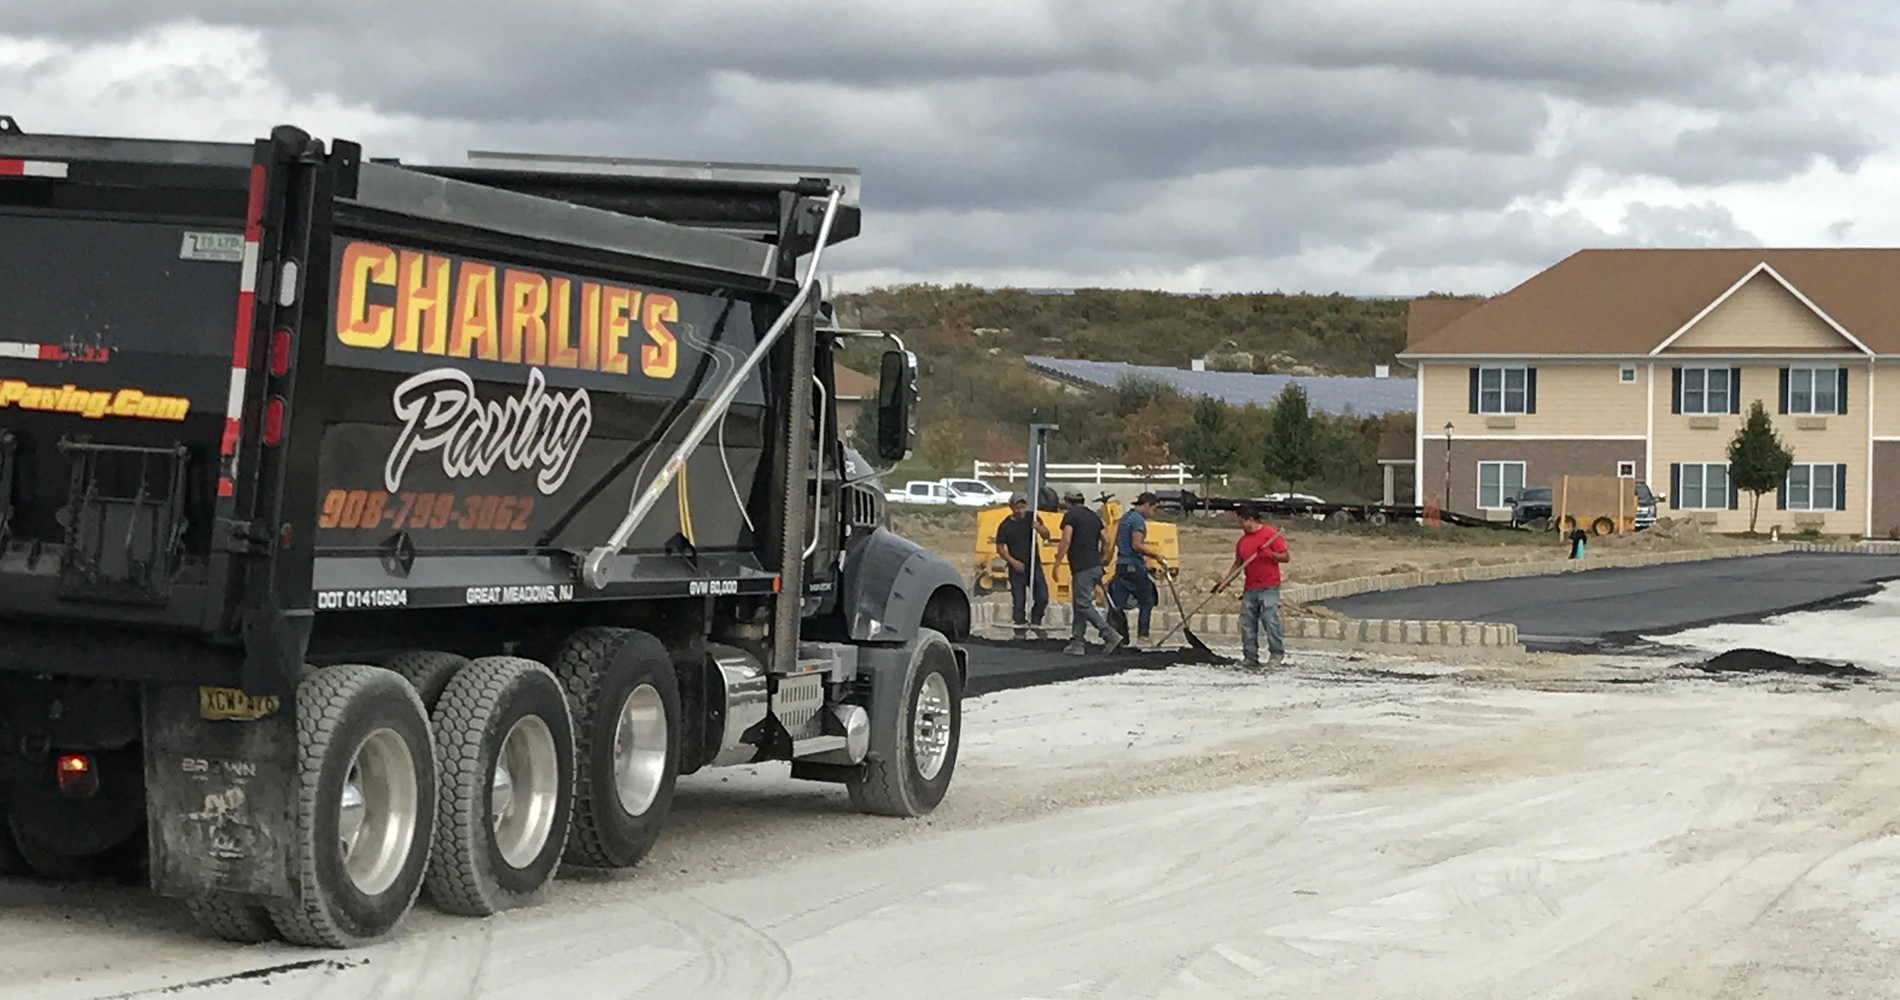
x=1187 y=633
x=1192 y=639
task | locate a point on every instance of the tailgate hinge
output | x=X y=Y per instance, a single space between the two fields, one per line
x=244 y=538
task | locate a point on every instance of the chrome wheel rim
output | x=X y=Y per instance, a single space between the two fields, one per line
x=930 y=726
x=524 y=791
x=377 y=810
x=640 y=749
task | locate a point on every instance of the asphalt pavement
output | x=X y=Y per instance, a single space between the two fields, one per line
x=1000 y=665
x=1610 y=608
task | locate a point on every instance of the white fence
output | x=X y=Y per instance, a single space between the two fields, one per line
x=1088 y=472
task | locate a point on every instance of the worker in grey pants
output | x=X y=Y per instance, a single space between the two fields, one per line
x=1082 y=545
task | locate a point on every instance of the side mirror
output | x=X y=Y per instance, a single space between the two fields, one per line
x=896 y=405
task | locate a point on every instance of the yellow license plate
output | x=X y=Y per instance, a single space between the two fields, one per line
x=219 y=703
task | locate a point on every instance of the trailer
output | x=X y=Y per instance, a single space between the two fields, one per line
x=372 y=531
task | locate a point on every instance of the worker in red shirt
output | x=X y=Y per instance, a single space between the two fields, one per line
x=1259 y=552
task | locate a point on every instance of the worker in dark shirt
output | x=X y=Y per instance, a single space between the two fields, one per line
x=1082 y=545
x=1017 y=547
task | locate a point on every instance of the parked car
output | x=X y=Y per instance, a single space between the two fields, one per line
x=920 y=491
x=1646 y=504
x=974 y=493
x=1531 y=506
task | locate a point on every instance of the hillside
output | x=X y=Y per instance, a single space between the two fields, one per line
x=978 y=397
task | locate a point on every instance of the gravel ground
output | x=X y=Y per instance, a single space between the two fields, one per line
x=1552 y=826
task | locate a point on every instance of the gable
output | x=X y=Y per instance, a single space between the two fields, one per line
x=1760 y=315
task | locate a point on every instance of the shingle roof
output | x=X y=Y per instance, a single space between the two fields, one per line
x=1334 y=394
x=1628 y=301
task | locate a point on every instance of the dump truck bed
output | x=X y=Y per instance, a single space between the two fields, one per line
x=252 y=392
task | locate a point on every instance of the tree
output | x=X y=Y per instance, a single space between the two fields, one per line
x=1208 y=445
x=1144 y=450
x=1290 y=450
x=1757 y=460
x=945 y=442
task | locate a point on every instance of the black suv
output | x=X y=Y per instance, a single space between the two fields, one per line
x=1532 y=504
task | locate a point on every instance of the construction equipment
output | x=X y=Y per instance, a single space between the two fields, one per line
x=1601 y=505
x=366 y=527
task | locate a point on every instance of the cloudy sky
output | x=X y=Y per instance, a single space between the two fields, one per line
x=1330 y=145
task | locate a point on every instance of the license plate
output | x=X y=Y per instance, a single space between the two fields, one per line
x=231 y=704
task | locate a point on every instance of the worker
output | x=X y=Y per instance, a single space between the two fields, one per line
x=1259 y=552
x=1133 y=587
x=1083 y=546
x=1016 y=544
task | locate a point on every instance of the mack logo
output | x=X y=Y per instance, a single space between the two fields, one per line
x=441 y=412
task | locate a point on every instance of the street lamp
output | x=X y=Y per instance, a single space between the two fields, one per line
x=1447 y=504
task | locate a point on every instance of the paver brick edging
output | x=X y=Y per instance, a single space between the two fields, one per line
x=1351 y=632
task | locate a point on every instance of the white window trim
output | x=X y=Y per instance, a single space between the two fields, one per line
x=1504 y=409
x=1631 y=466
x=1626 y=374
x=1702 y=471
x=1834 y=376
x=1787 y=486
x=1478 y=483
x=1727 y=386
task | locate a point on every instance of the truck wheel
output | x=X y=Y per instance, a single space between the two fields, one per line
x=52 y=864
x=428 y=671
x=365 y=807
x=625 y=698
x=232 y=918
x=505 y=741
x=914 y=780
x=1603 y=526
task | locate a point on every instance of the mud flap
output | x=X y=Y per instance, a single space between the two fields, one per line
x=220 y=779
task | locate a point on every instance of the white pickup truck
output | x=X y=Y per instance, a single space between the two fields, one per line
x=921 y=491
x=942 y=492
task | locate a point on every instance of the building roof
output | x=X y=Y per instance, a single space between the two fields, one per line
x=1335 y=394
x=1628 y=302
x=852 y=384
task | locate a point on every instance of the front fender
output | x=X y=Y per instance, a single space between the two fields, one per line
x=890 y=583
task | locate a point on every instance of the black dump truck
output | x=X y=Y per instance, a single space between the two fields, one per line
x=369 y=528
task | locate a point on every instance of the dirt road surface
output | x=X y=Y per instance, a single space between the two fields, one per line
x=1552 y=827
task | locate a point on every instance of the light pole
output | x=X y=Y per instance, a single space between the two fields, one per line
x=1447 y=503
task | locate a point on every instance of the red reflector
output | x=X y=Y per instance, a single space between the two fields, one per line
x=280 y=353
x=274 y=420
x=77 y=779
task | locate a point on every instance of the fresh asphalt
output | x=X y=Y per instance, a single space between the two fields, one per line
x=1000 y=665
x=1610 y=609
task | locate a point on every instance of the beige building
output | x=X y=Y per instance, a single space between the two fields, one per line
x=1643 y=363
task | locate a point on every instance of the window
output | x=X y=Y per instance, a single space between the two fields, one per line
x=1502 y=390
x=1627 y=373
x=1812 y=486
x=1626 y=470
x=1703 y=486
x=1499 y=483
x=1813 y=391
x=1705 y=390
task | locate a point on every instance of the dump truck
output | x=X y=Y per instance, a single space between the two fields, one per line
x=373 y=532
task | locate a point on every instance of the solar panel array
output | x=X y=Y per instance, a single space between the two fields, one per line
x=1339 y=395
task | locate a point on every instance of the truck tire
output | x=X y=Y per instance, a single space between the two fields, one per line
x=232 y=918
x=52 y=864
x=625 y=697
x=365 y=807
x=504 y=739
x=913 y=781
x=428 y=671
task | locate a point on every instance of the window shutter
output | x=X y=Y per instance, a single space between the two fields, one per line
x=1734 y=495
x=1840 y=393
x=1784 y=391
x=1840 y=487
x=1675 y=483
x=1735 y=390
x=1474 y=389
x=1781 y=491
x=1530 y=390
x=1675 y=390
